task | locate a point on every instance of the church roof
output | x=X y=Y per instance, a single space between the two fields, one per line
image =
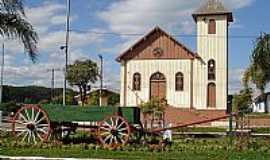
x=144 y=38
x=213 y=7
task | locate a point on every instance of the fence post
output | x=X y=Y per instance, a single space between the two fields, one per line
x=231 y=127
x=1 y=118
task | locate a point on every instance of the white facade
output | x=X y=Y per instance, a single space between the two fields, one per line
x=146 y=68
x=261 y=104
x=258 y=107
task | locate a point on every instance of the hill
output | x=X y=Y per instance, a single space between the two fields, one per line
x=34 y=94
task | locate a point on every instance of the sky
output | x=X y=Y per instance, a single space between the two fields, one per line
x=89 y=18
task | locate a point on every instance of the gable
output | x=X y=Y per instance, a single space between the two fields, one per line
x=157 y=45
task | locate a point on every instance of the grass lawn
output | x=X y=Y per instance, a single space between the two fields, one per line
x=181 y=149
x=135 y=155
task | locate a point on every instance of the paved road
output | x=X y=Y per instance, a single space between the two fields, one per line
x=44 y=158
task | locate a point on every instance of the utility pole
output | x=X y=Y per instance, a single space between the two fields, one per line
x=101 y=79
x=52 y=85
x=52 y=81
x=66 y=51
x=2 y=72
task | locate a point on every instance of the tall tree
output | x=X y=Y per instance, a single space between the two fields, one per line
x=259 y=71
x=13 y=24
x=261 y=53
x=81 y=74
x=257 y=76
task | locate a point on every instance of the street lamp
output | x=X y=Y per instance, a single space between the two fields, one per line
x=66 y=49
x=101 y=79
x=65 y=74
x=2 y=72
x=53 y=70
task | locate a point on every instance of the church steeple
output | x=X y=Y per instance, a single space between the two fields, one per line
x=213 y=7
x=212 y=21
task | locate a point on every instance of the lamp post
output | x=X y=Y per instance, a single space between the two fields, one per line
x=53 y=70
x=65 y=73
x=101 y=79
x=2 y=71
x=66 y=50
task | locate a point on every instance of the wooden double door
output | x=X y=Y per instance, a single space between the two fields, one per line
x=158 y=86
x=211 y=95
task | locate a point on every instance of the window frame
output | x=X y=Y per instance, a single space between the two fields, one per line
x=179 y=81
x=136 y=87
x=211 y=71
x=212 y=29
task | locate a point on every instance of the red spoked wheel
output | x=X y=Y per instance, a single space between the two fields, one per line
x=113 y=132
x=31 y=124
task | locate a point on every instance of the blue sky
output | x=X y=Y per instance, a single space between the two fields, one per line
x=123 y=16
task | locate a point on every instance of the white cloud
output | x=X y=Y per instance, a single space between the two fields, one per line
x=236 y=4
x=49 y=21
x=138 y=16
x=235 y=80
x=43 y=17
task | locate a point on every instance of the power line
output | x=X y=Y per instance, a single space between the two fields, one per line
x=173 y=35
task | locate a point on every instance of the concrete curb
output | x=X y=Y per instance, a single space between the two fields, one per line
x=44 y=158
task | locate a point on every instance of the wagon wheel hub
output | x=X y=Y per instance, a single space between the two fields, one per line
x=114 y=132
x=31 y=127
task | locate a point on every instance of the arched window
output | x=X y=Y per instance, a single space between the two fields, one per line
x=212 y=26
x=211 y=70
x=136 y=82
x=179 y=81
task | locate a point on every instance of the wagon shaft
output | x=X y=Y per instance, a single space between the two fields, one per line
x=191 y=123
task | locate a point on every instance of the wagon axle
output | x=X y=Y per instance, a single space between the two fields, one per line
x=114 y=132
x=31 y=127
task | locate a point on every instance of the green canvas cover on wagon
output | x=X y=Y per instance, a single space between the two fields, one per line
x=59 y=113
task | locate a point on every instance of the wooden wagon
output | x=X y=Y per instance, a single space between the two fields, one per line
x=113 y=125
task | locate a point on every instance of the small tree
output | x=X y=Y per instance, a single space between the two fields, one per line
x=93 y=99
x=241 y=105
x=259 y=71
x=151 y=109
x=114 y=99
x=80 y=74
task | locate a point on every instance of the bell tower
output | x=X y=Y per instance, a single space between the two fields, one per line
x=210 y=82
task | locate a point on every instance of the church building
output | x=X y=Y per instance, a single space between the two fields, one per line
x=160 y=66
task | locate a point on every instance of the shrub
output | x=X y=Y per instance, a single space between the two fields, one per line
x=44 y=101
x=9 y=107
